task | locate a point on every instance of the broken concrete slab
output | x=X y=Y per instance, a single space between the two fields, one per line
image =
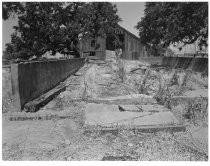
x=190 y=97
x=109 y=116
x=144 y=108
x=92 y=107
x=125 y=100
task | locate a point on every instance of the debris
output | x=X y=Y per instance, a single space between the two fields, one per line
x=34 y=105
x=121 y=109
x=140 y=68
x=67 y=142
x=130 y=144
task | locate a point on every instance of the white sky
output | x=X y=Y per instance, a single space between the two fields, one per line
x=131 y=13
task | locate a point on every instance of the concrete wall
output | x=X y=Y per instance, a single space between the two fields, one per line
x=152 y=60
x=32 y=79
x=195 y=64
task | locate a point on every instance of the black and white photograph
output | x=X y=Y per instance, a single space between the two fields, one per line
x=104 y=81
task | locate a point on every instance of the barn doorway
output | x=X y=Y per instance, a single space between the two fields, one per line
x=112 y=45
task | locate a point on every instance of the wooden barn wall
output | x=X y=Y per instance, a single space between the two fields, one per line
x=133 y=48
x=85 y=46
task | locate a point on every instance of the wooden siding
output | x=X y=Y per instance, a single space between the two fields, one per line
x=85 y=46
x=133 y=48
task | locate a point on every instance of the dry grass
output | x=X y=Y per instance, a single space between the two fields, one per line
x=133 y=145
x=122 y=145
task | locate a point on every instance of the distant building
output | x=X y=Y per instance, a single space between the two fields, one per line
x=48 y=55
x=189 y=50
x=101 y=48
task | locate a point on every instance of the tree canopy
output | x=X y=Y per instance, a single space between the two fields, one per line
x=56 y=26
x=168 y=23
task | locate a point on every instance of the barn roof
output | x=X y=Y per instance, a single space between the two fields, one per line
x=134 y=36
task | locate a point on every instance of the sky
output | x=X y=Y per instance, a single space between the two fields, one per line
x=129 y=12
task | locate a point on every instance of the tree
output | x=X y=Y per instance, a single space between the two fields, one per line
x=55 y=26
x=9 y=9
x=168 y=23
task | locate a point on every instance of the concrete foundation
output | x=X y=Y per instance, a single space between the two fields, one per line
x=32 y=79
x=194 y=64
x=109 y=116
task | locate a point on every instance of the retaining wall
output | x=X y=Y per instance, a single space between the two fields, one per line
x=152 y=60
x=32 y=79
x=195 y=64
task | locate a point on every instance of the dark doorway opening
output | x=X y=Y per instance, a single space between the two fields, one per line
x=92 y=53
x=111 y=42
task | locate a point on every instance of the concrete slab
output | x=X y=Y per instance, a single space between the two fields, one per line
x=109 y=116
x=190 y=97
x=35 y=135
x=144 y=108
x=125 y=100
x=197 y=93
x=93 y=108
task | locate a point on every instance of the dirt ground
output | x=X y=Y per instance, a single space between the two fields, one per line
x=66 y=139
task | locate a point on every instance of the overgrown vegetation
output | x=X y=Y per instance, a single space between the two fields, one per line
x=197 y=112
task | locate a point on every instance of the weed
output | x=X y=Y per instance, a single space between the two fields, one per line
x=121 y=70
x=184 y=86
x=142 y=89
x=174 y=80
x=197 y=111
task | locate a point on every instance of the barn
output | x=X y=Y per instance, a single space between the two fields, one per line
x=103 y=47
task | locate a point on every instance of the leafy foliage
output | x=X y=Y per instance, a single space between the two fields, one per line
x=55 y=26
x=168 y=23
x=9 y=9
